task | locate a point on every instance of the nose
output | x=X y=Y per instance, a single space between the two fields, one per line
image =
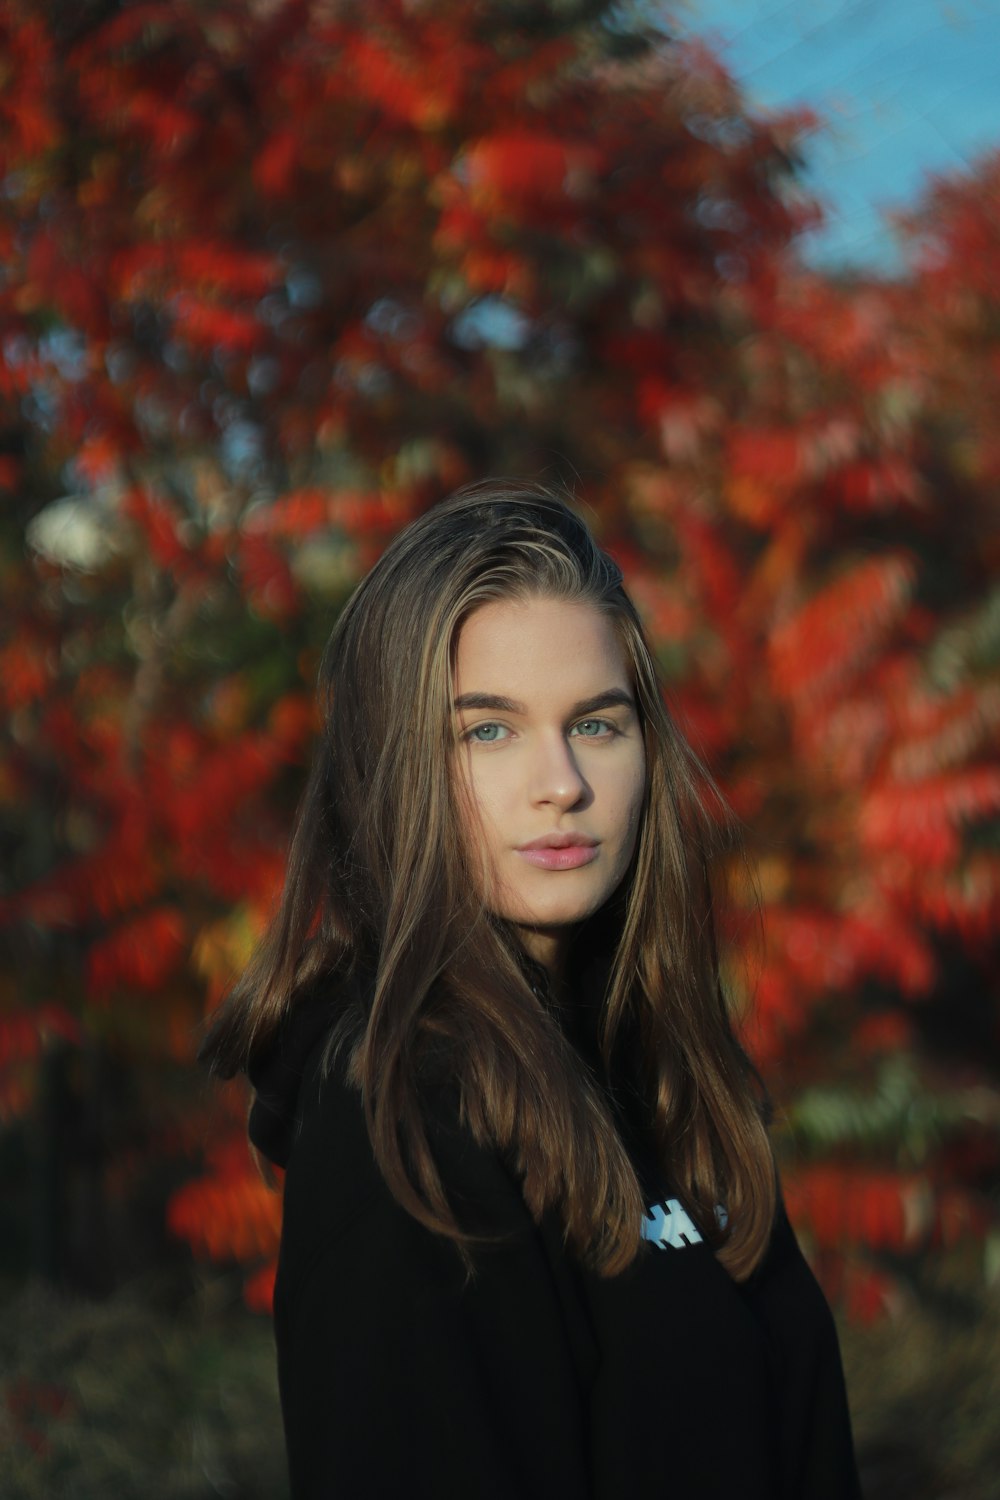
x=556 y=777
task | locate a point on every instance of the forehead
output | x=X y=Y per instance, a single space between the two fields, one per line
x=524 y=648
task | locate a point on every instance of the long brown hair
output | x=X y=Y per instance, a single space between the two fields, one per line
x=378 y=884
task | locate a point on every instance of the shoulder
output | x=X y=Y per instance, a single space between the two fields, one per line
x=783 y=1272
x=331 y=1170
x=336 y=1201
x=397 y=1372
x=788 y=1299
x=816 y=1443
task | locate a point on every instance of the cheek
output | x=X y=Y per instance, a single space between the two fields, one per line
x=632 y=800
x=488 y=795
x=625 y=788
x=468 y=802
x=480 y=818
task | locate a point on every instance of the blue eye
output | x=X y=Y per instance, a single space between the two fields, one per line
x=486 y=734
x=593 y=729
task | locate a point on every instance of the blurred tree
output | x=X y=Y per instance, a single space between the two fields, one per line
x=277 y=276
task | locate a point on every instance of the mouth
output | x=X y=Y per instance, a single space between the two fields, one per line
x=559 y=851
x=559 y=841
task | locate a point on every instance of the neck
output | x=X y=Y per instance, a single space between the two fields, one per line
x=548 y=947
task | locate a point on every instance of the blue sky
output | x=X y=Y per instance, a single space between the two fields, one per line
x=907 y=87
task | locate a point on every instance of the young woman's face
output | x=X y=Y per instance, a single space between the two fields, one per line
x=551 y=761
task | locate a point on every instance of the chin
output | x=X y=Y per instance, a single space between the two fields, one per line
x=556 y=908
x=565 y=914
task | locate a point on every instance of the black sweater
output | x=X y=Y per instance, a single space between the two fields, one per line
x=538 y=1378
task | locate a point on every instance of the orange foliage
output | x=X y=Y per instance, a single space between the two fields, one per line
x=882 y=1210
x=24 y=1034
x=230 y=1215
x=258 y=1293
x=819 y=648
x=277 y=279
x=141 y=954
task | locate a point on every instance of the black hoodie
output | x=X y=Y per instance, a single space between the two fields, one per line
x=538 y=1378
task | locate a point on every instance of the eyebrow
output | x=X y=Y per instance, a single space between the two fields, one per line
x=612 y=698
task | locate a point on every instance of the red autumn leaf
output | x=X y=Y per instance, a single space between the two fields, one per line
x=770 y=456
x=160 y=522
x=141 y=954
x=886 y=1031
x=27 y=668
x=854 y=1205
x=384 y=80
x=230 y=1215
x=267 y=578
x=818 y=649
x=208 y=326
x=524 y=165
x=924 y=819
x=258 y=1292
x=275 y=166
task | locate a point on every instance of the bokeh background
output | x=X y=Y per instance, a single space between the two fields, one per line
x=275 y=275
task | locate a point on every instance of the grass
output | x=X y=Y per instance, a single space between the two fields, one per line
x=925 y=1395
x=132 y=1399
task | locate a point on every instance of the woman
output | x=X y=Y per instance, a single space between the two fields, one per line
x=532 y=1240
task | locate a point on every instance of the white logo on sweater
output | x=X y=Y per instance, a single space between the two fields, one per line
x=667 y=1223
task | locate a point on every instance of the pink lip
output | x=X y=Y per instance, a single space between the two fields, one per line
x=559 y=851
